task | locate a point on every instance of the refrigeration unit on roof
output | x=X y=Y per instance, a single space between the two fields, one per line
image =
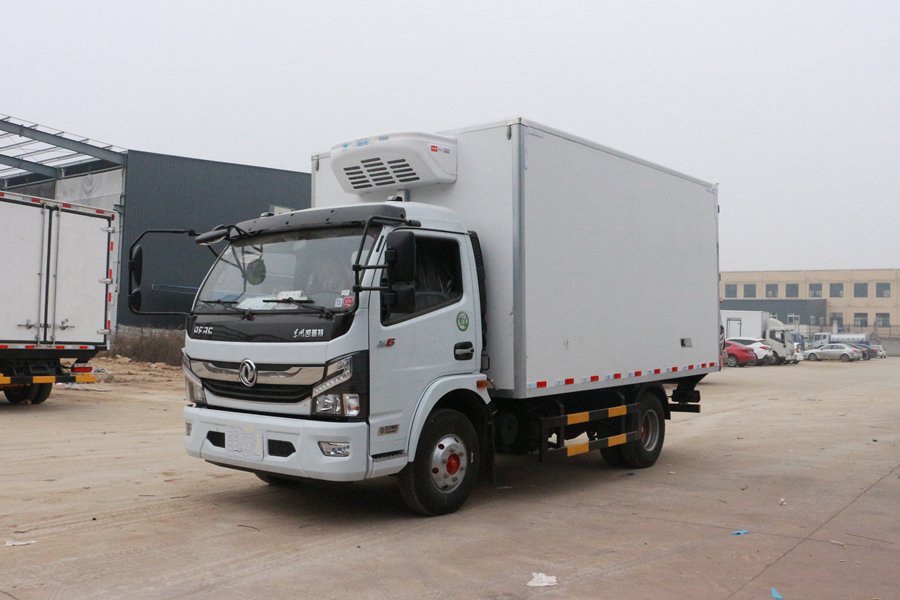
x=394 y=161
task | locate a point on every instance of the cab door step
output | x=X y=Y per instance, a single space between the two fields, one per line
x=557 y=425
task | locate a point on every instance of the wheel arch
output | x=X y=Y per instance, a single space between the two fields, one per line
x=460 y=393
x=659 y=391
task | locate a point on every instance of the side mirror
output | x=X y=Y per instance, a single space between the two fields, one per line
x=400 y=299
x=136 y=265
x=400 y=256
x=134 y=300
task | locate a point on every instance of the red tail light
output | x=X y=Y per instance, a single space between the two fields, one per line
x=82 y=368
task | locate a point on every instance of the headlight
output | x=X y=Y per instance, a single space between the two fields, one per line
x=343 y=392
x=193 y=387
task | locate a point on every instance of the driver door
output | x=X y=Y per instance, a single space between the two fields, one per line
x=408 y=351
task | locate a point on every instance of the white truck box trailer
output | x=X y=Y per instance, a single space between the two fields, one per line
x=759 y=324
x=501 y=288
x=581 y=245
x=55 y=295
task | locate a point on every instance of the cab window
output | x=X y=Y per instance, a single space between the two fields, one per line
x=438 y=278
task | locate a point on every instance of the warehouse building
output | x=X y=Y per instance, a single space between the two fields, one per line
x=148 y=191
x=854 y=300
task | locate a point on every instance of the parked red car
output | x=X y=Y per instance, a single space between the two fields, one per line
x=738 y=355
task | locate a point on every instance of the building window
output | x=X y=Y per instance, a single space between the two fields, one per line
x=815 y=290
x=814 y=320
x=792 y=290
x=731 y=290
x=860 y=319
x=836 y=290
x=860 y=290
x=882 y=290
x=771 y=290
x=749 y=290
x=882 y=319
x=793 y=319
x=837 y=318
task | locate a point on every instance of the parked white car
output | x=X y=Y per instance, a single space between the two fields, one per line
x=834 y=352
x=882 y=353
x=764 y=353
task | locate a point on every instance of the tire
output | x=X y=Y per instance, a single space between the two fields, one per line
x=731 y=361
x=845 y=358
x=445 y=469
x=275 y=480
x=752 y=362
x=29 y=394
x=613 y=456
x=652 y=429
x=812 y=357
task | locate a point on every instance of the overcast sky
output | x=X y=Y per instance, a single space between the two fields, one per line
x=792 y=107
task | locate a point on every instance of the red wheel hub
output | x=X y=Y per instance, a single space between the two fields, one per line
x=453 y=464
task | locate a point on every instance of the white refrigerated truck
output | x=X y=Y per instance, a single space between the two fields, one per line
x=55 y=293
x=501 y=288
x=759 y=324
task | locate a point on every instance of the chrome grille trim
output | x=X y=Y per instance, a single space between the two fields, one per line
x=268 y=374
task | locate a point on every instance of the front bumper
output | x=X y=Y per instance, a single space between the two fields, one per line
x=306 y=460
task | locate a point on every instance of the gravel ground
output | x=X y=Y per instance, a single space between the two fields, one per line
x=98 y=491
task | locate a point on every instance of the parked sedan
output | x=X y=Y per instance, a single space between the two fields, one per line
x=764 y=353
x=738 y=355
x=882 y=353
x=842 y=352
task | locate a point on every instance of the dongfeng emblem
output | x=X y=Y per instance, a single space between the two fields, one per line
x=462 y=321
x=247 y=372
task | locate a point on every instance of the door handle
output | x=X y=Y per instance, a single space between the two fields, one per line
x=464 y=351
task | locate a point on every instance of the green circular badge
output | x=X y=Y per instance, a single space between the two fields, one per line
x=462 y=321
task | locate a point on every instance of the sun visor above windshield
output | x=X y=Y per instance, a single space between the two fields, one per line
x=394 y=161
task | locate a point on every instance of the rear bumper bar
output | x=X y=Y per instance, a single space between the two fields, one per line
x=28 y=380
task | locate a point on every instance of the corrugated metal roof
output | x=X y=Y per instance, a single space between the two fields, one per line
x=26 y=149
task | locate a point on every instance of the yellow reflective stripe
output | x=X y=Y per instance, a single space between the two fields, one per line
x=85 y=379
x=618 y=440
x=617 y=411
x=44 y=379
x=577 y=449
x=576 y=418
x=5 y=380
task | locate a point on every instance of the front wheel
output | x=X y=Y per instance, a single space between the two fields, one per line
x=651 y=433
x=812 y=357
x=273 y=479
x=731 y=361
x=445 y=469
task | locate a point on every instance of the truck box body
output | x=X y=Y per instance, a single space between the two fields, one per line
x=601 y=268
x=745 y=323
x=56 y=274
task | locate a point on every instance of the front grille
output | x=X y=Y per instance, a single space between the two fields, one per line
x=260 y=392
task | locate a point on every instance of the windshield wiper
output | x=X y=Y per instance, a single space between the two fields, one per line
x=229 y=304
x=304 y=303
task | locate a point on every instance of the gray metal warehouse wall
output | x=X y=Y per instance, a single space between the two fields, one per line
x=172 y=192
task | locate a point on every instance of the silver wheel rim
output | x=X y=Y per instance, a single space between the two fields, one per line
x=448 y=463
x=649 y=430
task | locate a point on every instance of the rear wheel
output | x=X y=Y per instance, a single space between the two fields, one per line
x=651 y=433
x=613 y=456
x=29 y=394
x=445 y=469
x=845 y=358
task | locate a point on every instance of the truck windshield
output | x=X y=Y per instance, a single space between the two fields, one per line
x=291 y=271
